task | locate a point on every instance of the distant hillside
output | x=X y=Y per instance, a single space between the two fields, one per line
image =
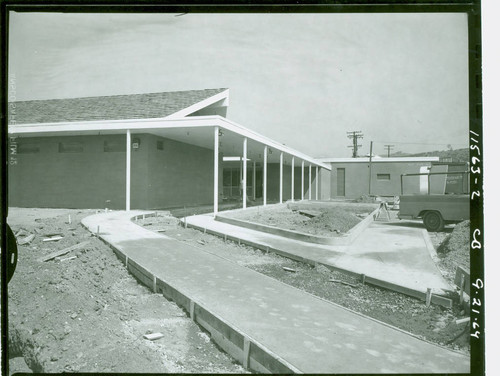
x=458 y=155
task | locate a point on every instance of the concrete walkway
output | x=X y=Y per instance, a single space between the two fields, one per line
x=386 y=251
x=264 y=323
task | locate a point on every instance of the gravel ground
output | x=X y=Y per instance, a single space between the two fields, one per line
x=88 y=314
x=434 y=323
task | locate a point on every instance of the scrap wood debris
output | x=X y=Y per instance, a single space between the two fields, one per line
x=343 y=282
x=62 y=252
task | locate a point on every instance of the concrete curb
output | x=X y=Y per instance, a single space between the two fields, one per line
x=429 y=245
x=344 y=239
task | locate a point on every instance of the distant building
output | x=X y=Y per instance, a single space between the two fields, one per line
x=351 y=177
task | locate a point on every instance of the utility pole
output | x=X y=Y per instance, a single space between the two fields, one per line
x=354 y=135
x=388 y=147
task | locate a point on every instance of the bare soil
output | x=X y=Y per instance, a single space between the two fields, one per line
x=434 y=323
x=328 y=222
x=453 y=249
x=88 y=314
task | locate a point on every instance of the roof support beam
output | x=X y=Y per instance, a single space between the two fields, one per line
x=216 y=170
x=293 y=177
x=317 y=178
x=254 y=175
x=302 y=183
x=127 y=178
x=310 y=186
x=281 y=177
x=264 y=177
x=245 y=141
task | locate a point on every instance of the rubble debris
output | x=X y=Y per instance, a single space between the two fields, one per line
x=153 y=336
x=63 y=251
x=26 y=240
x=53 y=239
x=343 y=282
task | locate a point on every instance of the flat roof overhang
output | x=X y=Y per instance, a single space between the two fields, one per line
x=194 y=130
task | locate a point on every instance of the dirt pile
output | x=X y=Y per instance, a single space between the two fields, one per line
x=455 y=249
x=338 y=220
x=86 y=313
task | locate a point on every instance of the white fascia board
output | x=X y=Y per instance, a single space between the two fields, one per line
x=138 y=125
x=92 y=127
x=378 y=160
x=224 y=95
x=239 y=129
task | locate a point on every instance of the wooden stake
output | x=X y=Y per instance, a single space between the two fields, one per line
x=428 y=297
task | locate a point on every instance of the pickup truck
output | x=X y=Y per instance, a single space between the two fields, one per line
x=435 y=209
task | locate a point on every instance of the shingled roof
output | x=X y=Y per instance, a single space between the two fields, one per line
x=115 y=107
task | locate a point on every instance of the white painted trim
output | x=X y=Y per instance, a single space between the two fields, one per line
x=264 y=177
x=145 y=125
x=281 y=177
x=127 y=179
x=293 y=177
x=302 y=183
x=216 y=170
x=254 y=175
x=317 y=178
x=310 y=179
x=245 y=141
x=378 y=159
x=224 y=95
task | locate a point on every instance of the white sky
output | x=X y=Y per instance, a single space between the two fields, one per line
x=301 y=79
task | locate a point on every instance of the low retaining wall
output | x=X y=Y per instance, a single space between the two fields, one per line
x=344 y=239
x=249 y=352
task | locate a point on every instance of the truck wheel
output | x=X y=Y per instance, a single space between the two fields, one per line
x=433 y=221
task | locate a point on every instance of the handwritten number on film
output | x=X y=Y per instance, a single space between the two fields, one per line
x=475 y=244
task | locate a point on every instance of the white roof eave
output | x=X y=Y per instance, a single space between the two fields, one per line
x=121 y=126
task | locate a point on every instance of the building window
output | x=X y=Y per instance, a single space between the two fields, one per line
x=71 y=147
x=159 y=145
x=113 y=146
x=23 y=148
x=383 y=176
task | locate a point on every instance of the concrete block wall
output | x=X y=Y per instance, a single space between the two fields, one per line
x=180 y=174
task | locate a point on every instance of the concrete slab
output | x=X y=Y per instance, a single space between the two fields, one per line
x=384 y=251
x=268 y=325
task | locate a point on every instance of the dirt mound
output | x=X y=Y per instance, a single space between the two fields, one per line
x=339 y=221
x=455 y=249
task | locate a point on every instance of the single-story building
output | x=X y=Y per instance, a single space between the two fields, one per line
x=147 y=151
x=380 y=176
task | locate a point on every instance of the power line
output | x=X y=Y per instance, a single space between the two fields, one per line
x=354 y=135
x=388 y=147
x=420 y=143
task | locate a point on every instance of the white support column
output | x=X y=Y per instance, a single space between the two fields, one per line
x=245 y=141
x=302 y=183
x=317 y=178
x=310 y=178
x=264 y=177
x=281 y=177
x=253 y=181
x=216 y=170
x=127 y=179
x=293 y=176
